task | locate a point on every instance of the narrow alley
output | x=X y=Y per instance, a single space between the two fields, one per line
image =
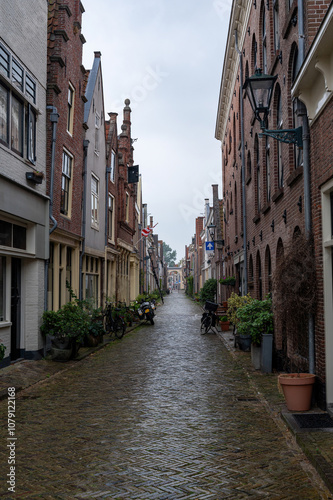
x=165 y=413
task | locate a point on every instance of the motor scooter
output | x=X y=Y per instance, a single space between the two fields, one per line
x=146 y=311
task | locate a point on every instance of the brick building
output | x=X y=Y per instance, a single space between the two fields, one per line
x=313 y=86
x=270 y=205
x=65 y=167
x=23 y=201
x=128 y=211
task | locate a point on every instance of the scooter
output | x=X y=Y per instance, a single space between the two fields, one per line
x=146 y=311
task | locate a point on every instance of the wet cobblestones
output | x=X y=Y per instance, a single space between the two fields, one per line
x=163 y=414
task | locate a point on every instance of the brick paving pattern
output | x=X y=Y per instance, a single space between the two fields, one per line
x=163 y=414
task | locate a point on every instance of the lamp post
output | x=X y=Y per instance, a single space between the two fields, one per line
x=211 y=229
x=259 y=90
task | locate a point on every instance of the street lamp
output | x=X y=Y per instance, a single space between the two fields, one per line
x=259 y=90
x=211 y=229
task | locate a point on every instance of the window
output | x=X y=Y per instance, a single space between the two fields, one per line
x=2 y=288
x=17 y=74
x=31 y=140
x=66 y=178
x=264 y=41
x=4 y=122
x=268 y=172
x=298 y=153
x=94 y=201
x=30 y=88
x=70 y=110
x=113 y=165
x=276 y=25
x=17 y=126
x=13 y=235
x=257 y=167
x=279 y=125
x=97 y=127
x=92 y=279
x=17 y=117
x=127 y=207
x=111 y=217
x=4 y=61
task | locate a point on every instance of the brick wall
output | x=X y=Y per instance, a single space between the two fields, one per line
x=65 y=67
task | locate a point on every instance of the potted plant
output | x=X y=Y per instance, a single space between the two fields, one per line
x=294 y=289
x=2 y=351
x=224 y=323
x=256 y=320
x=67 y=329
x=35 y=176
x=229 y=280
x=235 y=302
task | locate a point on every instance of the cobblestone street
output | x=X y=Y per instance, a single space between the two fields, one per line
x=165 y=413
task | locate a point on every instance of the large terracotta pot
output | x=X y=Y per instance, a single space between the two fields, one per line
x=297 y=390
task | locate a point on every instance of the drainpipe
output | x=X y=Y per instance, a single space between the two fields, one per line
x=54 y=116
x=107 y=173
x=84 y=205
x=306 y=174
x=243 y=163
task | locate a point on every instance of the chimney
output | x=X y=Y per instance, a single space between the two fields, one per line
x=151 y=222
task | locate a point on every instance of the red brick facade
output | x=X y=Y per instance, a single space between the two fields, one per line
x=274 y=177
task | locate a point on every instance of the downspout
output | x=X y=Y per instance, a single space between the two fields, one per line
x=243 y=164
x=306 y=175
x=107 y=172
x=84 y=205
x=54 y=116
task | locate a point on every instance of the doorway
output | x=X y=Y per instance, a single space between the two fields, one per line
x=15 y=309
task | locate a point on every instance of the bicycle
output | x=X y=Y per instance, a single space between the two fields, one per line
x=113 y=323
x=209 y=319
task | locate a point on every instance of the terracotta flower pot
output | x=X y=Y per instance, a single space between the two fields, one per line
x=225 y=325
x=297 y=390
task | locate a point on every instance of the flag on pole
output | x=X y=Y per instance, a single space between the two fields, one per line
x=145 y=232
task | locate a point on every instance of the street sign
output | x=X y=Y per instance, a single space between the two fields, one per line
x=210 y=246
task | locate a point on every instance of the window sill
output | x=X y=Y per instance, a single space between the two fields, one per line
x=5 y=324
x=256 y=218
x=278 y=194
x=298 y=172
x=266 y=207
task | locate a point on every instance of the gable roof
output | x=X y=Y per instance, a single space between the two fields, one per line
x=92 y=77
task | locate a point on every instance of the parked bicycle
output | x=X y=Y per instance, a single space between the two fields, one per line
x=209 y=319
x=113 y=323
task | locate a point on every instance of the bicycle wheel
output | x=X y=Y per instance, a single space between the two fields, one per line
x=206 y=323
x=119 y=328
x=108 y=324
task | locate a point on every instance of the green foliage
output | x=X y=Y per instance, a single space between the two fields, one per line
x=169 y=255
x=74 y=320
x=2 y=351
x=224 y=319
x=234 y=303
x=255 y=319
x=229 y=280
x=190 y=286
x=208 y=291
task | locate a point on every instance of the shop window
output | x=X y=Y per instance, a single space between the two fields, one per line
x=13 y=235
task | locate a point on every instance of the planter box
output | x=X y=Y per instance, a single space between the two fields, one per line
x=225 y=326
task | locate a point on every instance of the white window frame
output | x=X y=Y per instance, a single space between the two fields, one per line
x=70 y=108
x=111 y=218
x=66 y=182
x=113 y=165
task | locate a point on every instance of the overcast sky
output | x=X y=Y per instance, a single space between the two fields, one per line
x=166 y=56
